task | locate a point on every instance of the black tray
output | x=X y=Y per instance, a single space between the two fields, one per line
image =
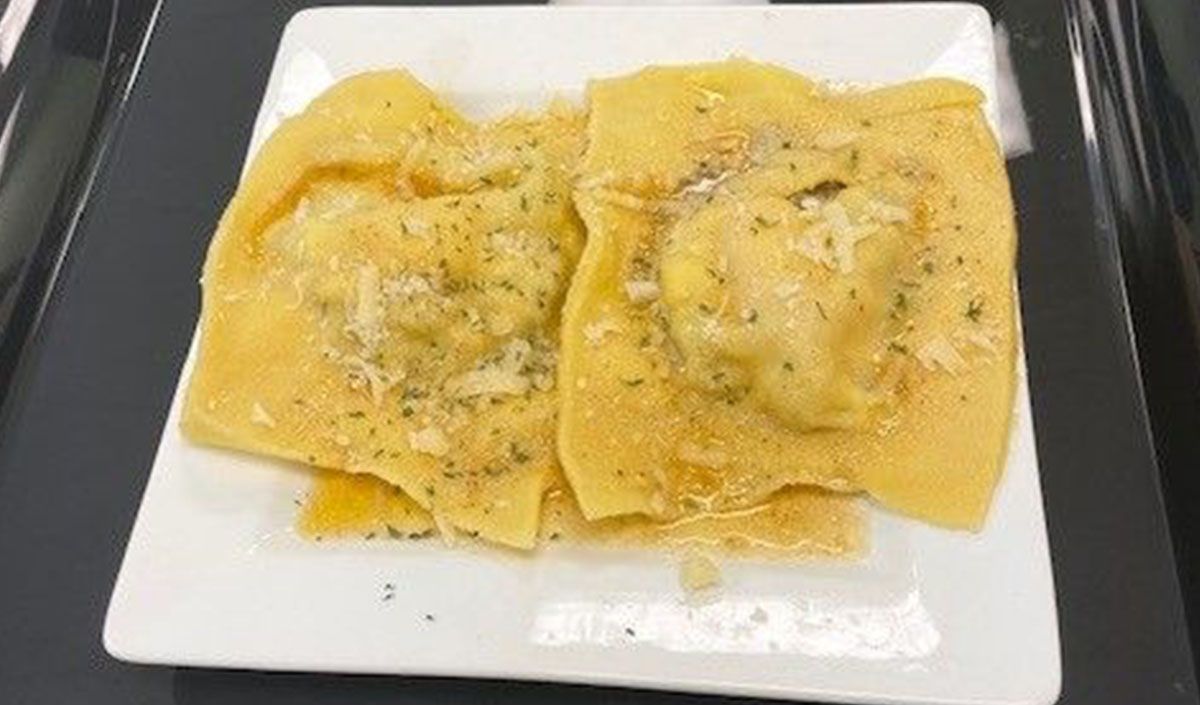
x=98 y=369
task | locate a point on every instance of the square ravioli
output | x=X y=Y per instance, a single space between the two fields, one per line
x=382 y=296
x=787 y=286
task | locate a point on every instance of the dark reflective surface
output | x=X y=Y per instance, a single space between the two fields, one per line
x=87 y=406
x=59 y=95
x=1143 y=66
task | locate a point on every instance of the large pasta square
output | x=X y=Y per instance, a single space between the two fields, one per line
x=783 y=285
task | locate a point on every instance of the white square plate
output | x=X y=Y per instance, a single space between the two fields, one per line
x=213 y=575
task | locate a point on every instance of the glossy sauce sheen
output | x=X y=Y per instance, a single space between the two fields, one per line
x=794 y=523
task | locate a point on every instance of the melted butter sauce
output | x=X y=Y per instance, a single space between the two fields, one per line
x=793 y=523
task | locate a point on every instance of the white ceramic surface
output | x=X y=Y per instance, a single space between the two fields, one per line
x=214 y=576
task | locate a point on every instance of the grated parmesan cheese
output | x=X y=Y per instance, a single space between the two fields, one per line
x=446 y=529
x=709 y=457
x=501 y=326
x=788 y=290
x=416 y=226
x=602 y=179
x=407 y=285
x=490 y=380
x=845 y=235
x=504 y=375
x=341 y=204
x=542 y=382
x=509 y=244
x=831 y=241
x=474 y=320
x=364 y=373
x=941 y=353
x=705 y=185
x=301 y=213
x=764 y=143
x=430 y=441
x=259 y=416
x=595 y=331
x=982 y=338
x=810 y=203
x=710 y=96
x=831 y=140
x=366 y=320
x=887 y=213
x=641 y=291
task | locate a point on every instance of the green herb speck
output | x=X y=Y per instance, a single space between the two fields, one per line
x=974 y=309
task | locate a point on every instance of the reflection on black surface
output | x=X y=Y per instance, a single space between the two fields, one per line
x=48 y=98
x=58 y=99
x=1143 y=66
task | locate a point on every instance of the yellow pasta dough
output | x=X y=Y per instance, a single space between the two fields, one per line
x=786 y=296
x=382 y=296
x=363 y=506
x=783 y=286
